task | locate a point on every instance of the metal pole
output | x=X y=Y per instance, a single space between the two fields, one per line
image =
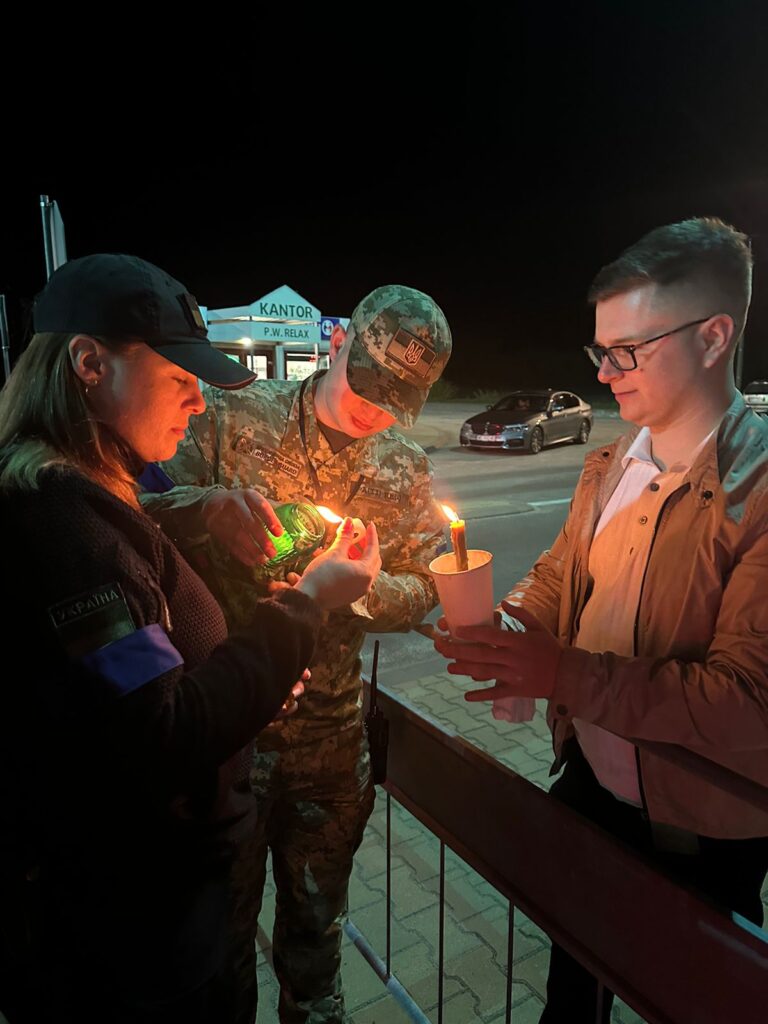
x=600 y=1002
x=47 y=240
x=280 y=362
x=391 y=984
x=389 y=881
x=441 y=938
x=54 y=243
x=6 y=339
x=510 y=960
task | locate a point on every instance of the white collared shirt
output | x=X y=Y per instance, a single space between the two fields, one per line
x=617 y=560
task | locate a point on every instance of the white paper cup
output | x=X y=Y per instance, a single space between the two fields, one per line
x=466 y=597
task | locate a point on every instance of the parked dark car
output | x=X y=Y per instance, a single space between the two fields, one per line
x=530 y=420
x=756 y=396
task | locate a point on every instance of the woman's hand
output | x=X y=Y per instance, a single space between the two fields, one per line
x=339 y=575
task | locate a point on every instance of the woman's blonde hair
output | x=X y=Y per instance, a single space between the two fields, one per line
x=45 y=421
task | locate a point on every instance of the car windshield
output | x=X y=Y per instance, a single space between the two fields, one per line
x=522 y=403
x=757 y=387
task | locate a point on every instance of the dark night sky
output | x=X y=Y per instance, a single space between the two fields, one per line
x=495 y=161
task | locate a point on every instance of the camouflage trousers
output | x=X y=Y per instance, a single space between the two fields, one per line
x=313 y=802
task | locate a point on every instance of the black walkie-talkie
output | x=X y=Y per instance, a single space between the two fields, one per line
x=377 y=727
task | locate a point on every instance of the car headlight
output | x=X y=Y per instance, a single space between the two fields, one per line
x=465 y=430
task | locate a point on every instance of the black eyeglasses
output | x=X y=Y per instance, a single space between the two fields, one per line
x=622 y=357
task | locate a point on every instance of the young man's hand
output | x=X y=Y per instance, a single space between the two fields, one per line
x=522 y=664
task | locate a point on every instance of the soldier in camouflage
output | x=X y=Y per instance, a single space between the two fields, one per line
x=329 y=440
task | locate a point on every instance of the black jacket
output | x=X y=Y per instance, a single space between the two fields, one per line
x=122 y=707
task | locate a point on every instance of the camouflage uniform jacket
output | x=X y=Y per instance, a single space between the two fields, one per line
x=252 y=438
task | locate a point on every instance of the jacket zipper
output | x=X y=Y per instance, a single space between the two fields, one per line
x=165 y=614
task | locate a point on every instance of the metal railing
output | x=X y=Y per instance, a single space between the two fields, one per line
x=667 y=953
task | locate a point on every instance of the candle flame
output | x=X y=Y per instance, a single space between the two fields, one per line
x=448 y=511
x=326 y=513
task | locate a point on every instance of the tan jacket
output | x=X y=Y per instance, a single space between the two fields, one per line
x=699 y=677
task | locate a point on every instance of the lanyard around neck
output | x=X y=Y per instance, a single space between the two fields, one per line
x=310 y=465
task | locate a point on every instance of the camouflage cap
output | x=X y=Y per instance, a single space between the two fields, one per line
x=399 y=347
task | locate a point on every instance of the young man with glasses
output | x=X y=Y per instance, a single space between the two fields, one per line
x=653 y=623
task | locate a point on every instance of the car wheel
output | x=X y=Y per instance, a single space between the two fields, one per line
x=583 y=435
x=535 y=441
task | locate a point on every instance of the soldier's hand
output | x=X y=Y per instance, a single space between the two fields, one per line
x=291 y=702
x=291 y=579
x=239 y=520
x=337 y=577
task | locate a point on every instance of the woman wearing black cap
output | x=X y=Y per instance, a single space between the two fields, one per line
x=120 y=722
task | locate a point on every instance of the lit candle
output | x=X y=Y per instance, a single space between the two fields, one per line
x=358 y=527
x=458 y=539
x=328 y=515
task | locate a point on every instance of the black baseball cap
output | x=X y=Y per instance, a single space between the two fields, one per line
x=124 y=297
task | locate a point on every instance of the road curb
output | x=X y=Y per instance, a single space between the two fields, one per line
x=494 y=509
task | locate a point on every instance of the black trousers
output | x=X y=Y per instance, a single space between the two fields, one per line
x=729 y=871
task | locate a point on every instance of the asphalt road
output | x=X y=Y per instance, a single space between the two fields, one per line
x=514 y=504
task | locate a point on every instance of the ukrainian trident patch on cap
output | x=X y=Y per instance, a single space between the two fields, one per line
x=411 y=353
